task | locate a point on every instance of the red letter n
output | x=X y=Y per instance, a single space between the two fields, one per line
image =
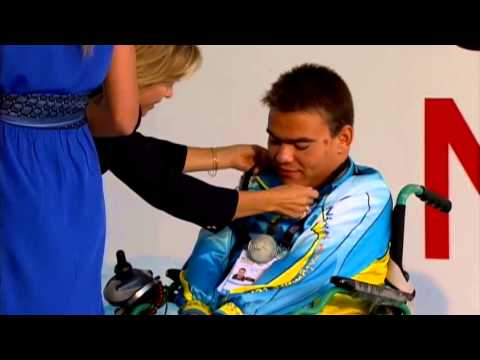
x=445 y=125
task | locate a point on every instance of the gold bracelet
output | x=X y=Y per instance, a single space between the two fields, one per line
x=213 y=171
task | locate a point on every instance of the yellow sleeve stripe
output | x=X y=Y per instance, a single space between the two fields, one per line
x=197 y=305
x=343 y=304
x=375 y=273
x=191 y=303
x=187 y=294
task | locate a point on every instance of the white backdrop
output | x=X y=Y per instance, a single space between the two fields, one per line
x=220 y=105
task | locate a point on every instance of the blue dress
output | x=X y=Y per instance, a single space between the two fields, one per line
x=52 y=213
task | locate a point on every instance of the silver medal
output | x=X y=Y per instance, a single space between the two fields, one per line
x=262 y=248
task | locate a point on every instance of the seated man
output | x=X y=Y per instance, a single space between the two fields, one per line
x=290 y=262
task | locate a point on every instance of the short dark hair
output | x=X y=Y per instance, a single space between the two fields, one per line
x=313 y=87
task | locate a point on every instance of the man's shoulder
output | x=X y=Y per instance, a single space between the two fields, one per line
x=365 y=170
x=369 y=178
x=365 y=180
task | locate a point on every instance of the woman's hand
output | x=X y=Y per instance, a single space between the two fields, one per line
x=289 y=200
x=243 y=157
x=292 y=200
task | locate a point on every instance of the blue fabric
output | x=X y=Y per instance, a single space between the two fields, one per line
x=52 y=69
x=348 y=229
x=52 y=213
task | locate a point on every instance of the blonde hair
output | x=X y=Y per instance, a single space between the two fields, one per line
x=166 y=63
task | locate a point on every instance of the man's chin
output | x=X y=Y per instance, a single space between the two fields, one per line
x=292 y=180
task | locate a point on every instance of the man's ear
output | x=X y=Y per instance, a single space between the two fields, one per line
x=344 y=139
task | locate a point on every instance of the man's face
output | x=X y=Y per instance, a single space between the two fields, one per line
x=302 y=149
x=241 y=273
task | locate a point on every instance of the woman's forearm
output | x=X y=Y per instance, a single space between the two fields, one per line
x=252 y=203
x=241 y=157
x=204 y=159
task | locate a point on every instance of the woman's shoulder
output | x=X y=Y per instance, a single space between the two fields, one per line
x=53 y=68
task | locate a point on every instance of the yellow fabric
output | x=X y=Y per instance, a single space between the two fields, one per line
x=187 y=294
x=376 y=273
x=191 y=303
x=230 y=309
x=343 y=304
x=197 y=305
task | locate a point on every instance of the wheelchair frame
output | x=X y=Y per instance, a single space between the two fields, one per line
x=387 y=299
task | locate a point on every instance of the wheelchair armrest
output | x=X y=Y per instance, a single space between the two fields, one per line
x=372 y=292
x=174 y=275
x=174 y=287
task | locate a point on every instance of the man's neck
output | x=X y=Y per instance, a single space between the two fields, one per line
x=335 y=174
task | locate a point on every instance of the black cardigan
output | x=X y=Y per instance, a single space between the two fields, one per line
x=153 y=169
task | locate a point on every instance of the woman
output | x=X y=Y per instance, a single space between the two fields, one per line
x=155 y=168
x=52 y=215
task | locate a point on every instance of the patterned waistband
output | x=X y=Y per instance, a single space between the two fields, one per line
x=43 y=111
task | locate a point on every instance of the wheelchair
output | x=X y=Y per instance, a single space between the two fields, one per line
x=138 y=292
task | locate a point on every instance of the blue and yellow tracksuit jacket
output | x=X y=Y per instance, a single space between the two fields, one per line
x=346 y=234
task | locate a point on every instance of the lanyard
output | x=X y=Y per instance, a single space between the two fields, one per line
x=286 y=240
